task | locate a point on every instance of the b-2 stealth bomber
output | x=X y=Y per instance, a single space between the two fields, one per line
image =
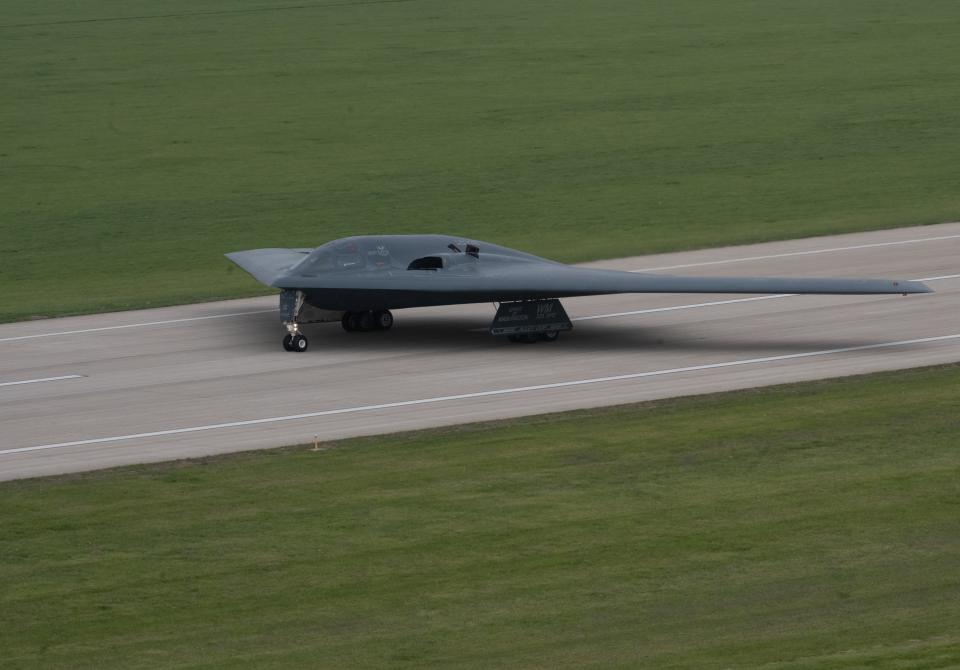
x=359 y=280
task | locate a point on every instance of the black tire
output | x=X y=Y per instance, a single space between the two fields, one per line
x=288 y=342
x=550 y=336
x=299 y=343
x=383 y=320
x=365 y=321
x=347 y=321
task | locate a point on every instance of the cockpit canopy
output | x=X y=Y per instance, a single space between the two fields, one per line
x=352 y=253
x=376 y=253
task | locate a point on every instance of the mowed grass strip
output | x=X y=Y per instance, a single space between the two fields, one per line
x=807 y=526
x=142 y=140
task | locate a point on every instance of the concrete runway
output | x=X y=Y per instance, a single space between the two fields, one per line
x=95 y=391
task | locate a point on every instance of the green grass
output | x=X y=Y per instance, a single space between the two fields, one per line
x=807 y=526
x=141 y=140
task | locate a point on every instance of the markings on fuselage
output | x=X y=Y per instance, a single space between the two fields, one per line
x=42 y=379
x=482 y=394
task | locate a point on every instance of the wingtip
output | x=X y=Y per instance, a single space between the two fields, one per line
x=913 y=287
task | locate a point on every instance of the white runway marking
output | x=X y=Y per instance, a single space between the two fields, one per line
x=676 y=307
x=802 y=253
x=937 y=278
x=134 y=325
x=45 y=379
x=481 y=394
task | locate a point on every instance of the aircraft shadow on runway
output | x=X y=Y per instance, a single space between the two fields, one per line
x=460 y=334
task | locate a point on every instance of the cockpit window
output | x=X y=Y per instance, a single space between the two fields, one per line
x=375 y=254
x=351 y=254
x=347 y=256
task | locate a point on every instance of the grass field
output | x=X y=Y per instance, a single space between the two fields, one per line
x=807 y=526
x=140 y=140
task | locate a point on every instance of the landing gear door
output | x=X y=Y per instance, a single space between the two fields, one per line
x=291 y=302
x=295 y=309
x=530 y=316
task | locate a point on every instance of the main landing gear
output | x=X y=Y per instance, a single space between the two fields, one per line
x=369 y=320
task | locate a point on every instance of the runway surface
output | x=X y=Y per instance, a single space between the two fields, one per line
x=95 y=391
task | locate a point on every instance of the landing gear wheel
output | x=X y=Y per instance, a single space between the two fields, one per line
x=550 y=336
x=351 y=321
x=383 y=320
x=298 y=342
x=366 y=321
x=295 y=342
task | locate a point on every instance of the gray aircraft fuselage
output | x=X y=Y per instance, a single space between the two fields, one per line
x=360 y=279
x=398 y=271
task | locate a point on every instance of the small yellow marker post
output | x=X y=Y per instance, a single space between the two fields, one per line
x=316 y=443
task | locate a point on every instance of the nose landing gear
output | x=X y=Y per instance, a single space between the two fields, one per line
x=294 y=302
x=295 y=342
x=291 y=306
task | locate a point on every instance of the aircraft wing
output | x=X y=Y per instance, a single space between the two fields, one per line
x=532 y=281
x=268 y=265
x=521 y=279
x=636 y=282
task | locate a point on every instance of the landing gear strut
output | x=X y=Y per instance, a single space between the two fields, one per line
x=368 y=320
x=291 y=305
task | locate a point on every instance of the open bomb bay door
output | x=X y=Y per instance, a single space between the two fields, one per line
x=531 y=320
